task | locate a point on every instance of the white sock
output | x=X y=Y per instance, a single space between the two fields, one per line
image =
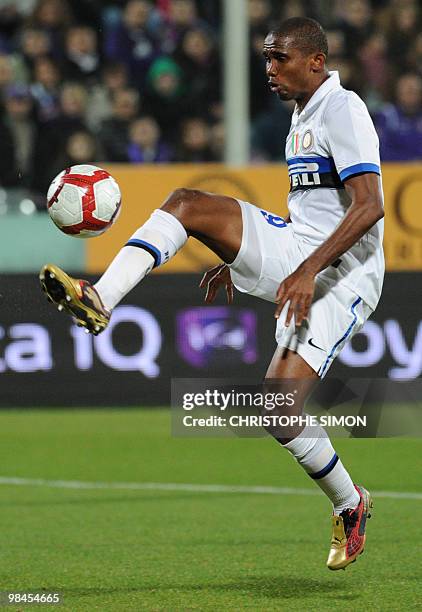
x=313 y=450
x=151 y=246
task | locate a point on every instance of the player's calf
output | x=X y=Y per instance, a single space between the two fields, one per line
x=151 y=246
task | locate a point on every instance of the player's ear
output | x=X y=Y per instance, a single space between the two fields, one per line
x=318 y=62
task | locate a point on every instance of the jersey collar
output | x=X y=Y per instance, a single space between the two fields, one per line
x=333 y=82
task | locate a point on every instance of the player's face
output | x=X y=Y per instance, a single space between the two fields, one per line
x=289 y=71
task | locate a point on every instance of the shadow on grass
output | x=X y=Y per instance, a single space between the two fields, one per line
x=277 y=587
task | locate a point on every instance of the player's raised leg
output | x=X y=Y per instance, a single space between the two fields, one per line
x=214 y=220
x=313 y=450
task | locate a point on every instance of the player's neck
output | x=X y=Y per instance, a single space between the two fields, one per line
x=303 y=101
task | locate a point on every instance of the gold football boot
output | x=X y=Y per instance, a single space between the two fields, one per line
x=75 y=296
x=348 y=539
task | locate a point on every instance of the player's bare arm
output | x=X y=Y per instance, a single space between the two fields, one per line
x=365 y=210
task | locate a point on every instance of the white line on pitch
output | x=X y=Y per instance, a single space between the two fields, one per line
x=173 y=486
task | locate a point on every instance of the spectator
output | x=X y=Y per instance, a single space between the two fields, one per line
x=269 y=132
x=294 y=8
x=373 y=60
x=131 y=41
x=88 y=11
x=336 y=44
x=45 y=89
x=259 y=12
x=6 y=71
x=23 y=8
x=12 y=13
x=182 y=15
x=54 y=17
x=357 y=25
x=260 y=94
x=114 y=132
x=145 y=144
x=210 y=13
x=114 y=76
x=80 y=148
x=73 y=101
x=82 y=59
x=165 y=96
x=195 y=144
x=404 y=27
x=18 y=137
x=399 y=125
x=34 y=43
x=414 y=56
x=163 y=7
x=200 y=63
x=350 y=72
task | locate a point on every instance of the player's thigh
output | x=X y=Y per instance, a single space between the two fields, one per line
x=268 y=254
x=335 y=316
x=214 y=220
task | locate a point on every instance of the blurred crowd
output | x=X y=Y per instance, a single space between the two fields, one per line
x=140 y=81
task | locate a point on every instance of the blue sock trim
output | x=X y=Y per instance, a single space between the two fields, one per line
x=149 y=248
x=325 y=470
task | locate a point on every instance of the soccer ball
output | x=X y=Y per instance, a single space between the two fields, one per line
x=84 y=201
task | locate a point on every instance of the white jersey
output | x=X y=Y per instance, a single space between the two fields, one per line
x=333 y=139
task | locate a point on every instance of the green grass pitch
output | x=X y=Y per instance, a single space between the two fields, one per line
x=122 y=549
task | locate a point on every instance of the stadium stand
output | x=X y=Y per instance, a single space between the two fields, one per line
x=141 y=81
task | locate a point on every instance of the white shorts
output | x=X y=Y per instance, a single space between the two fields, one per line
x=269 y=253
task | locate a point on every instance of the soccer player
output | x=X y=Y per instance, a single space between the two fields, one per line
x=323 y=265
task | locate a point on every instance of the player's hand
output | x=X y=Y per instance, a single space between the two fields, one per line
x=298 y=289
x=214 y=279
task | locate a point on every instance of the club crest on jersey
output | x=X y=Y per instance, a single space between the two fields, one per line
x=307 y=140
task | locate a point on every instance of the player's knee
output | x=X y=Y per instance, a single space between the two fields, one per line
x=183 y=203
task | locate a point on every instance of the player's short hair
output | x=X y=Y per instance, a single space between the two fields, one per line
x=308 y=34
